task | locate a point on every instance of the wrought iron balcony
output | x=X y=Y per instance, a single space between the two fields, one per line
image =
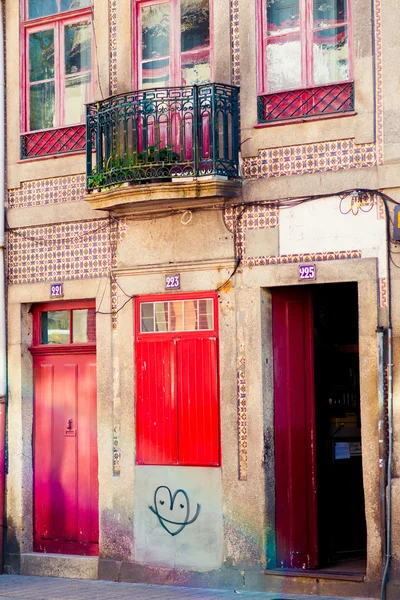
x=163 y=134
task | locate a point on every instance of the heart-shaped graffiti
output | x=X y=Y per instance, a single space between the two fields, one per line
x=173 y=510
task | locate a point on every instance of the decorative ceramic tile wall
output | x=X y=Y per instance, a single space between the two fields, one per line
x=61 y=252
x=283 y=259
x=260 y=216
x=44 y=192
x=309 y=158
x=235 y=42
x=378 y=81
x=113 y=47
x=242 y=417
x=383 y=297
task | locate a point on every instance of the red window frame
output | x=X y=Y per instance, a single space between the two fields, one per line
x=306 y=34
x=38 y=309
x=61 y=137
x=176 y=413
x=175 y=33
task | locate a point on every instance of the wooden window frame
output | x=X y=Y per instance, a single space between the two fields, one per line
x=306 y=35
x=182 y=335
x=64 y=305
x=57 y=22
x=175 y=32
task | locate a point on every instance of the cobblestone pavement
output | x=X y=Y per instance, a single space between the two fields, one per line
x=17 y=587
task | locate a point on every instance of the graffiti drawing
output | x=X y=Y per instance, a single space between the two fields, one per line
x=173 y=510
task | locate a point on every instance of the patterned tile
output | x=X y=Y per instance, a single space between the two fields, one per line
x=256 y=261
x=61 y=252
x=235 y=42
x=242 y=418
x=113 y=47
x=309 y=158
x=383 y=297
x=44 y=192
x=378 y=81
x=261 y=216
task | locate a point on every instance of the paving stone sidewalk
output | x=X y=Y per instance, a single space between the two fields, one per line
x=17 y=587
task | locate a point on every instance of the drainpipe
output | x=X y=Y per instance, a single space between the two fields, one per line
x=390 y=409
x=381 y=428
x=2 y=289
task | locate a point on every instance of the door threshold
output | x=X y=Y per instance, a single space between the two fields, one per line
x=316 y=574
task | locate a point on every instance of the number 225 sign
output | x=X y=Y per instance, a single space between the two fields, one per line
x=307 y=271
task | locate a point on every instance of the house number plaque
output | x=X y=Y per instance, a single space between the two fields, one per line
x=173 y=282
x=307 y=271
x=57 y=290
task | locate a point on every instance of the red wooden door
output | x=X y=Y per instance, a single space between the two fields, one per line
x=177 y=404
x=294 y=414
x=65 y=447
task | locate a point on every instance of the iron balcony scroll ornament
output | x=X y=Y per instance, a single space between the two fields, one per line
x=161 y=134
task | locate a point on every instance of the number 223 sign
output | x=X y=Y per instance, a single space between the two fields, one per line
x=307 y=271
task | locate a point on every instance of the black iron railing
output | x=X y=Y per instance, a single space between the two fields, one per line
x=163 y=134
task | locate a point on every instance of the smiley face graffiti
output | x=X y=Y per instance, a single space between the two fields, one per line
x=173 y=510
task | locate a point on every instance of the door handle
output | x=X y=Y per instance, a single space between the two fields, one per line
x=68 y=429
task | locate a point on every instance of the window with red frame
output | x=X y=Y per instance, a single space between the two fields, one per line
x=172 y=43
x=305 y=59
x=57 y=73
x=177 y=401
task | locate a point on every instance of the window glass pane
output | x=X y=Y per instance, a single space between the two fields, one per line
x=283 y=16
x=78 y=48
x=41 y=8
x=84 y=326
x=195 y=25
x=161 y=316
x=195 y=68
x=329 y=12
x=206 y=314
x=54 y=327
x=74 y=4
x=331 y=55
x=77 y=93
x=155 y=73
x=41 y=55
x=147 y=316
x=155 y=31
x=190 y=322
x=175 y=316
x=41 y=106
x=284 y=63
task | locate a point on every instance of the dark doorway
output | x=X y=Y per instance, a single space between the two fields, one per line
x=320 y=514
x=341 y=512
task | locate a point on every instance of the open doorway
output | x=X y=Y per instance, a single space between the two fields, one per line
x=320 y=513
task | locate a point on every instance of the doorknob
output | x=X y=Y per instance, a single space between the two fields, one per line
x=69 y=424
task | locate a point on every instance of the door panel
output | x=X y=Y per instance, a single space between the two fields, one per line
x=198 y=401
x=65 y=454
x=155 y=412
x=294 y=416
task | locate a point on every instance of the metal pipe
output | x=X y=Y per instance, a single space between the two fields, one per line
x=390 y=407
x=381 y=433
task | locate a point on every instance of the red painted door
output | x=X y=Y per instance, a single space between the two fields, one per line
x=65 y=446
x=294 y=415
x=177 y=401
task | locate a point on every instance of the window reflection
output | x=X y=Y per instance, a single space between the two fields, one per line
x=177 y=315
x=55 y=327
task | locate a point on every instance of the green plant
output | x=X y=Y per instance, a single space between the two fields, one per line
x=165 y=154
x=97 y=179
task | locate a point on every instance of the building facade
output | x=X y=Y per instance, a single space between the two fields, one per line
x=202 y=292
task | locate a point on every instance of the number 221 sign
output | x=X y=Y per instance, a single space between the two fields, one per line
x=307 y=271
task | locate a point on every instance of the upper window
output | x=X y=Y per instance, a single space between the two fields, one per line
x=306 y=46
x=172 y=43
x=58 y=67
x=305 y=43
